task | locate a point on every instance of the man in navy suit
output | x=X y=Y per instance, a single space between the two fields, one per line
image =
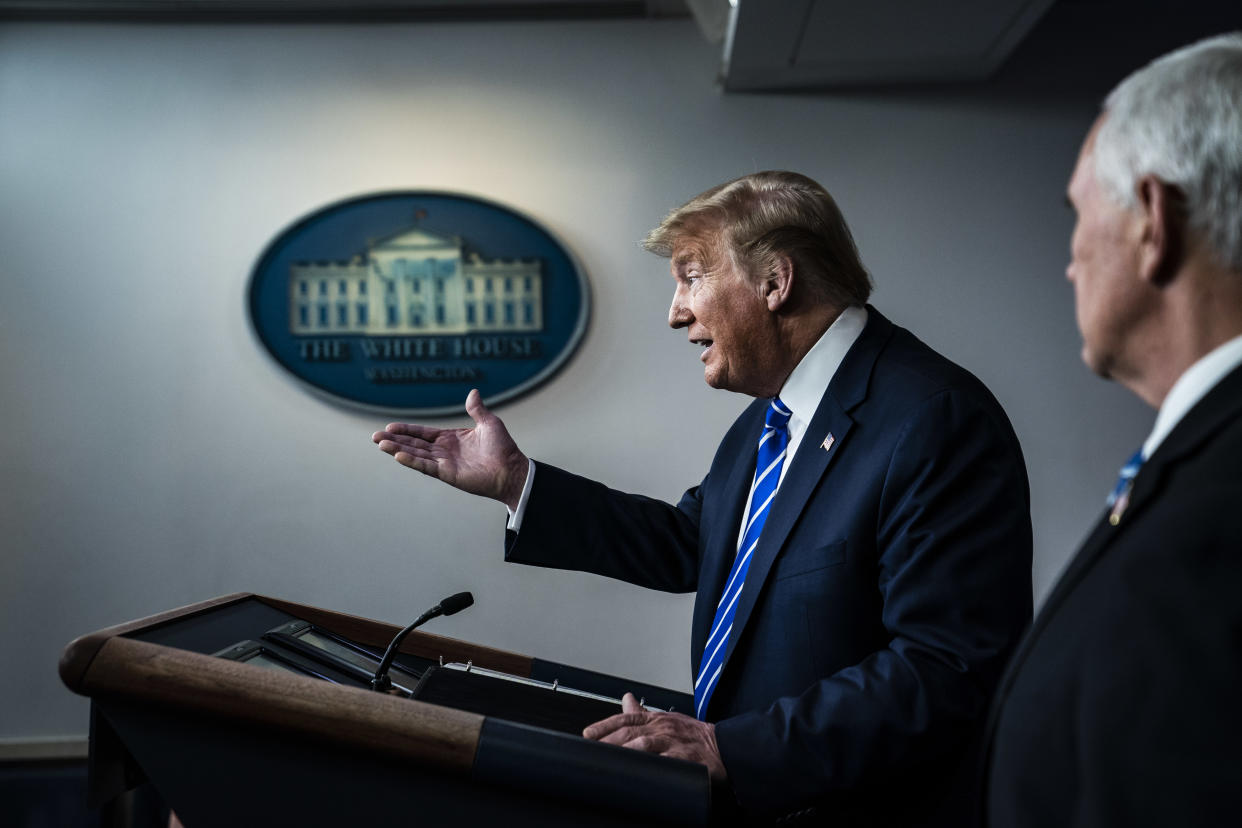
x=860 y=546
x=1121 y=706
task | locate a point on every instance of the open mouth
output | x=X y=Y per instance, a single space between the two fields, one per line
x=706 y=345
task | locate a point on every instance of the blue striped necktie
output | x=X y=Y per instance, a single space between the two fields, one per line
x=1119 y=498
x=772 y=446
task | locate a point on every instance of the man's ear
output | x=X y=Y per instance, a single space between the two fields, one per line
x=1162 y=233
x=778 y=286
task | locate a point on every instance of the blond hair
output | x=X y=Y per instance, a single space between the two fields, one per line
x=760 y=217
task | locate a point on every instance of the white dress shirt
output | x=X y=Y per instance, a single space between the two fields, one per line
x=1191 y=387
x=808 y=383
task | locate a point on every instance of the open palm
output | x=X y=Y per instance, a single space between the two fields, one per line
x=483 y=460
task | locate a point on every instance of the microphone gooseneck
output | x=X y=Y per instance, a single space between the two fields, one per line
x=450 y=605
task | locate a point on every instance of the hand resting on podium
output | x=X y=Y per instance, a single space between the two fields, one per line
x=668 y=734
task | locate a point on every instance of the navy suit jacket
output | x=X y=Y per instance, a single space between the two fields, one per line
x=889 y=585
x=1123 y=704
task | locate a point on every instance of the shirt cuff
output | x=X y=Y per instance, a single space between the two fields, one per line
x=515 y=515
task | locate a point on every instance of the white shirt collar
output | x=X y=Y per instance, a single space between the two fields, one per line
x=809 y=380
x=1191 y=387
x=807 y=384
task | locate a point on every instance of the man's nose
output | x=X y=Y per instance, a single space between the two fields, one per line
x=679 y=315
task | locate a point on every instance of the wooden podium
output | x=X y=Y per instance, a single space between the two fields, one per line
x=230 y=744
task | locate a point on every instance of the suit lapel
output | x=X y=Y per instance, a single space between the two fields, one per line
x=811 y=463
x=1078 y=566
x=721 y=544
x=1088 y=553
x=1219 y=407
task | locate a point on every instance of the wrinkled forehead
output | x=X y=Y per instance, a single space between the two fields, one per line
x=687 y=251
x=702 y=245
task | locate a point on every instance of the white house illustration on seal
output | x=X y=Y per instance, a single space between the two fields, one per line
x=415 y=284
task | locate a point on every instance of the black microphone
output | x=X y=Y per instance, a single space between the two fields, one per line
x=452 y=604
x=455 y=603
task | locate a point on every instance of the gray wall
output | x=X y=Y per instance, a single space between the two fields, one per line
x=151 y=455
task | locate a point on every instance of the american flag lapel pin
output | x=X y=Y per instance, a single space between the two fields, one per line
x=1119 y=508
x=828 y=441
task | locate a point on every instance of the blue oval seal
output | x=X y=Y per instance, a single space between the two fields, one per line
x=402 y=302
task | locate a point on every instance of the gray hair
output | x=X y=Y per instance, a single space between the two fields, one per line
x=1180 y=119
x=761 y=216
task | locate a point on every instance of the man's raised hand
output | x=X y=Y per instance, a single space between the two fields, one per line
x=482 y=460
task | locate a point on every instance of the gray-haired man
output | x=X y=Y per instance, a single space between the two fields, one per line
x=1121 y=705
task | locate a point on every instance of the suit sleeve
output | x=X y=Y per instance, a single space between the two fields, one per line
x=952 y=552
x=575 y=523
